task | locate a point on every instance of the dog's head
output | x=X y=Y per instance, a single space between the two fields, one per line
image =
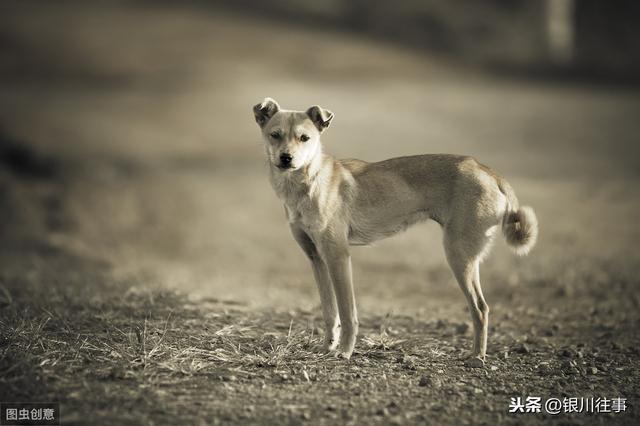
x=292 y=138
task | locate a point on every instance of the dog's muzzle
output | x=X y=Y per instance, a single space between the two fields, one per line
x=286 y=161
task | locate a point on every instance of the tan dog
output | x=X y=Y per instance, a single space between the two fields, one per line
x=332 y=204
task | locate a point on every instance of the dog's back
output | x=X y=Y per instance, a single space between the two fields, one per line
x=416 y=188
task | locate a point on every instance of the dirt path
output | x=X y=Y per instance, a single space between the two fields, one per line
x=142 y=174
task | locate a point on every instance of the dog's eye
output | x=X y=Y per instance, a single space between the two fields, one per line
x=304 y=138
x=275 y=135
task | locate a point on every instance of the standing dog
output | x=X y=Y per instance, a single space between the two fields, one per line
x=331 y=204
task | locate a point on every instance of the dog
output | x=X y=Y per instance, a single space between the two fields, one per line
x=332 y=204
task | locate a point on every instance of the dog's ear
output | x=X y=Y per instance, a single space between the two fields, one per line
x=320 y=117
x=265 y=110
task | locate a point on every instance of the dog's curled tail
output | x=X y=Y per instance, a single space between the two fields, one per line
x=520 y=228
x=519 y=224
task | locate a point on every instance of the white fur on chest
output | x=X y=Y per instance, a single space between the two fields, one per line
x=303 y=206
x=305 y=214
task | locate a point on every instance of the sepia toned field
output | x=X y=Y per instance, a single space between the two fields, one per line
x=147 y=274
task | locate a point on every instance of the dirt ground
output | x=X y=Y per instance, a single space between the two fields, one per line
x=147 y=275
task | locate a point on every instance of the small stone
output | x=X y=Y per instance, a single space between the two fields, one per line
x=593 y=370
x=544 y=368
x=383 y=412
x=566 y=352
x=494 y=368
x=428 y=381
x=306 y=415
x=409 y=363
x=569 y=366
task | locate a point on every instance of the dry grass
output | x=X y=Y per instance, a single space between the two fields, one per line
x=143 y=356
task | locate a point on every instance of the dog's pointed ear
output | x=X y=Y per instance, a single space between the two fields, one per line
x=321 y=117
x=265 y=110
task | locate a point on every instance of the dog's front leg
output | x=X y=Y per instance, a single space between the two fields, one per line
x=335 y=252
x=325 y=288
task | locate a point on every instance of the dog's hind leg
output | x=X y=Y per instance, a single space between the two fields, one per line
x=484 y=309
x=325 y=288
x=464 y=250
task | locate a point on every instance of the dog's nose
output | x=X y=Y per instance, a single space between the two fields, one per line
x=285 y=159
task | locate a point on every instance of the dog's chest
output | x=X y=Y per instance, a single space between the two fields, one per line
x=309 y=205
x=305 y=213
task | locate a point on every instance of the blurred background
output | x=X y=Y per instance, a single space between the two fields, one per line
x=127 y=138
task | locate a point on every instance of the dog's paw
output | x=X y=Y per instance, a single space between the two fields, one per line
x=474 y=361
x=343 y=354
x=329 y=345
x=345 y=350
